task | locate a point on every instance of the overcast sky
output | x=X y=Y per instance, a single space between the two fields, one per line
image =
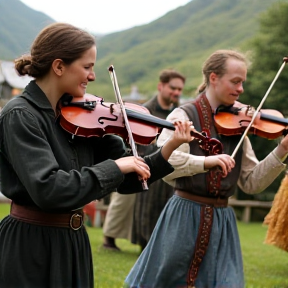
x=105 y=16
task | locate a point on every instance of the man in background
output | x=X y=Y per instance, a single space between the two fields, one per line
x=146 y=206
x=149 y=205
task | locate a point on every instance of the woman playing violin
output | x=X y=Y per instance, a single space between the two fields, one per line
x=50 y=175
x=196 y=242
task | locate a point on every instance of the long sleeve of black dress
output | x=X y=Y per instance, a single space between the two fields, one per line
x=42 y=165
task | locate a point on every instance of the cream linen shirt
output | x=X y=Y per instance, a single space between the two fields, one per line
x=254 y=177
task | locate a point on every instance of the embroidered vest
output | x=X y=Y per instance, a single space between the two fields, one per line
x=206 y=184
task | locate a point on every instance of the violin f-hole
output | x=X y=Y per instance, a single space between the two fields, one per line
x=100 y=119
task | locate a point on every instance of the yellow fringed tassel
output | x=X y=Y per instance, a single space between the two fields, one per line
x=277 y=218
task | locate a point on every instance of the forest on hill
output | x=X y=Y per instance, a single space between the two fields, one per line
x=181 y=39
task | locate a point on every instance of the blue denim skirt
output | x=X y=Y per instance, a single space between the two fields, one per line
x=165 y=261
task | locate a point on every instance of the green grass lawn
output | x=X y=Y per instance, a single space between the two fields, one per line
x=265 y=266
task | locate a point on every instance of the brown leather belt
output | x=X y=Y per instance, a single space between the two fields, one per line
x=73 y=219
x=214 y=202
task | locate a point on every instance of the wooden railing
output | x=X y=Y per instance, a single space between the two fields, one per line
x=248 y=205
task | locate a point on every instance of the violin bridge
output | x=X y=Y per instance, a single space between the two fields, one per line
x=111 y=109
x=250 y=110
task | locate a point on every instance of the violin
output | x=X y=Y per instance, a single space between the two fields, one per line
x=234 y=120
x=90 y=116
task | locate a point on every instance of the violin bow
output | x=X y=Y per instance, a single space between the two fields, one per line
x=285 y=60
x=125 y=117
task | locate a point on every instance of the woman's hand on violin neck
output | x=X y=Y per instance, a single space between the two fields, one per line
x=134 y=164
x=182 y=134
x=226 y=162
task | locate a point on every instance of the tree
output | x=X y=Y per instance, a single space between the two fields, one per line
x=269 y=47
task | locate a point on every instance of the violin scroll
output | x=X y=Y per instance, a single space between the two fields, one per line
x=211 y=146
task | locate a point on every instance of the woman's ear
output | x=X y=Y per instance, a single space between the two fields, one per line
x=212 y=77
x=58 y=67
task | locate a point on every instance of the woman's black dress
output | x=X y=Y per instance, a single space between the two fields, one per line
x=42 y=166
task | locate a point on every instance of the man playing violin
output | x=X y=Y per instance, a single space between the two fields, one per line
x=196 y=242
x=149 y=205
x=119 y=220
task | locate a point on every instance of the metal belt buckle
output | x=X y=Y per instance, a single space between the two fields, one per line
x=76 y=218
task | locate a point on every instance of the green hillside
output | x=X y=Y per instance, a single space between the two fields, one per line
x=181 y=39
x=19 y=25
